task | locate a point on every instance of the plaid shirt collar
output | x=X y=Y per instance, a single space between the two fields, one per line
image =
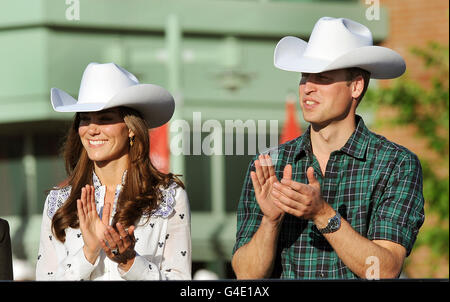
x=356 y=145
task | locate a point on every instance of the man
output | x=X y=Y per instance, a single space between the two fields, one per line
x=6 y=269
x=341 y=202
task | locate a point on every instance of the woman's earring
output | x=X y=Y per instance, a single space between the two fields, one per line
x=131 y=141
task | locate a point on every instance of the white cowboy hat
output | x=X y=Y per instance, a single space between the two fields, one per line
x=108 y=85
x=337 y=43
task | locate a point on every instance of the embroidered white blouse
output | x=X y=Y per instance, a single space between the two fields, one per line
x=163 y=242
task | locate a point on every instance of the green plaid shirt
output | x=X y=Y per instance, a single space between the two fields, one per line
x=374 y=184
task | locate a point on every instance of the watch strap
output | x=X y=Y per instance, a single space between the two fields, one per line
x=334 y=223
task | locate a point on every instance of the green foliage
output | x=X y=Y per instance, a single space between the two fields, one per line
x=426 y=105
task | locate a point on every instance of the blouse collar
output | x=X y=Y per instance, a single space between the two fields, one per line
x=97 y=183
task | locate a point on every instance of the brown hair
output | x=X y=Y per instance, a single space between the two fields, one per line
x=140 y=193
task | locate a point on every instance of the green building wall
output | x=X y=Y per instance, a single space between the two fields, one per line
x=216 y=57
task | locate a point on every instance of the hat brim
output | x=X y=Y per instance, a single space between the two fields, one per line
x=381 y=62
x=155 y=103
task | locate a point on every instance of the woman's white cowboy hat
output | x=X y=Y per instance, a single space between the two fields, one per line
x=108 y=85
x=337 y=43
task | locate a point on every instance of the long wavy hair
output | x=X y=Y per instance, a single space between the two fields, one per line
x=141 y=191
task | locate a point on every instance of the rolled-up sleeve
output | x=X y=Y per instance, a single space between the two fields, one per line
x=249 y=214
x=399 y=212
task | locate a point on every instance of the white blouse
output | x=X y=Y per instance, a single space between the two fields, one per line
x=163 y=242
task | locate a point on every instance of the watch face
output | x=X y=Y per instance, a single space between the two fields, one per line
x=334 y=223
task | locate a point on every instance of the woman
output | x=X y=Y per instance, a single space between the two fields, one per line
x=116 y=217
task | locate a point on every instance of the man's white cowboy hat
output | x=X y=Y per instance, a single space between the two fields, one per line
x=108 y=85
x=337 y=43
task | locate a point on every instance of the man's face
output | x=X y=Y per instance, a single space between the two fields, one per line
x=325 y=97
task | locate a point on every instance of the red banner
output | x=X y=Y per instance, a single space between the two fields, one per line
x=291 y=127
x=159 y=148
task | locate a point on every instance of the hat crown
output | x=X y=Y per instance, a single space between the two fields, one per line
x=333 y=37
x=101 y=82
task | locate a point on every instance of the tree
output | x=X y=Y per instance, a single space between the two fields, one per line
x=427 y=107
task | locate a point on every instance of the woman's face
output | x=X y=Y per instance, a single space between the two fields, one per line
x=104 y=135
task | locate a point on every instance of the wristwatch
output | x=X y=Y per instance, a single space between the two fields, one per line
x=334 y=223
